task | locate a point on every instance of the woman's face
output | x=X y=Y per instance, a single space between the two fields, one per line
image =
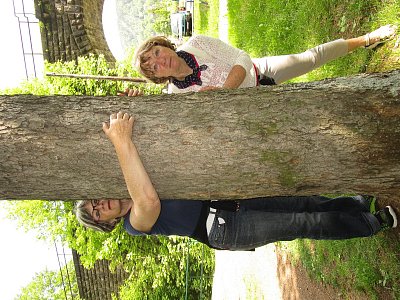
x=163 y=61
x=104 y=210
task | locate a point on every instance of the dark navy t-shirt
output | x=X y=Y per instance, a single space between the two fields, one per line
x=177 y=217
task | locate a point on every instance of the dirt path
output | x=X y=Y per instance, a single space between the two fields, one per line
x=295 y=284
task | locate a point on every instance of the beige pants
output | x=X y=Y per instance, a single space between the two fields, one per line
x=285 y=67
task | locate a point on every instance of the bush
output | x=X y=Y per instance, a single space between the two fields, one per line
x=88 y=65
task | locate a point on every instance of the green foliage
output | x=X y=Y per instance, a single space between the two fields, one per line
x=142 y=19
x=157 y=264
x=158 y=13
x=88 y=65
x=132 y=19
x=163 y=272
x=49 y=285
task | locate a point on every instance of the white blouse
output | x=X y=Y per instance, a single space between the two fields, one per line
x=220 y=58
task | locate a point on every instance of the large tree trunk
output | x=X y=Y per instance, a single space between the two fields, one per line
x=339 y=135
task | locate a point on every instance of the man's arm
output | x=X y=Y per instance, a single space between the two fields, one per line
x=146 y=204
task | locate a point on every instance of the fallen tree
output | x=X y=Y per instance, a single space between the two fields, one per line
x=337 y=135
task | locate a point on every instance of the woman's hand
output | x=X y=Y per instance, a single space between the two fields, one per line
x=130 y=92
x=120 y=128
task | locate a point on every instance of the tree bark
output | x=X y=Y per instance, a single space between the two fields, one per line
x=335 y=136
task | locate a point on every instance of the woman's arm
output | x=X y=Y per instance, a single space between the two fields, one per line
x=239 y=60
x=146 y=204
x=235 y=78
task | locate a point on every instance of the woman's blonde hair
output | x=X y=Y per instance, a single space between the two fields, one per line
x=86 y=219
x=140 y=59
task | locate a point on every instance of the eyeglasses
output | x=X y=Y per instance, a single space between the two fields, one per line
x=95 y=212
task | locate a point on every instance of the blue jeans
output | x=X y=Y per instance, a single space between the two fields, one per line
x=260 y=221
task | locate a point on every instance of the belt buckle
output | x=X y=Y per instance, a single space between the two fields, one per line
x=237 y=206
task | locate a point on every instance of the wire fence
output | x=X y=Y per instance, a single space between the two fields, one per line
x=203 y=277
x=30 y=41
x=65 y=272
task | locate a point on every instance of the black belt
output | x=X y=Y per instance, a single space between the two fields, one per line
x=200 y=232
x=228 y=205
x=265 y=80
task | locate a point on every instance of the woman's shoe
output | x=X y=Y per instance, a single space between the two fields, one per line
x=380 y=36
x=387 y=217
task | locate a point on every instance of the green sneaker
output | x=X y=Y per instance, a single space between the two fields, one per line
x=387 y=217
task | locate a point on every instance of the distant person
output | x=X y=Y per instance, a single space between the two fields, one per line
x=205 y=63
x=229 y=225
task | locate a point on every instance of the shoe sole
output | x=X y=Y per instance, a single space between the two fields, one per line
x=382 y=37
x=393 y=214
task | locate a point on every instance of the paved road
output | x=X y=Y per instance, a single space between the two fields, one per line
x=246 y=275
x=223 y=20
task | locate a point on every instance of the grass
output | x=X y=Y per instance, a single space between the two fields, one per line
x=368 y=265
x=277 y=27
x=206 y=17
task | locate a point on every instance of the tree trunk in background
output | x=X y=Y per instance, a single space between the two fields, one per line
x=339 y=135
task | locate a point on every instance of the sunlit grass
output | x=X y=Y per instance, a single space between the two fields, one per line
x=276 y=27
x=206 y=17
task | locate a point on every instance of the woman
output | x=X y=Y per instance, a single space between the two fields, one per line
x=230 y=225
x=205 y=63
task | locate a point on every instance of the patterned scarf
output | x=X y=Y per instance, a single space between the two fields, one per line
x=193 y=78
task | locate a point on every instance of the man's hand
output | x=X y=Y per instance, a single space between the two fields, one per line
x=120 y=128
